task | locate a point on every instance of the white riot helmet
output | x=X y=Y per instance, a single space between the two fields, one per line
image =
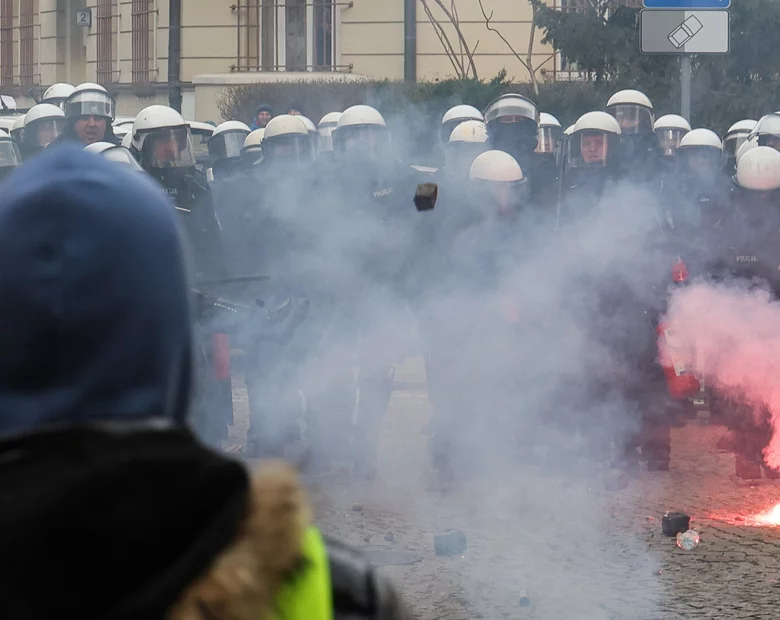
x=456 y=115
x=314 y=136
x=759 y=170
x=633 y=112
x=17 y=131
x=669 y=129
x=42 y=125
x=121 y=131
x=227 y=141
x=550 y=134
x=767 y=130
x=287 y=140
x=57 y=94
x=127 y=141
x=10 y=157
x=594 y=142
x=98 y=147
x=513 y=122
x=161 y=139
x=467 y=141
x=90 y=99
x=114 y=153
x=253 y=149
x=736 y=135
x=749 y=144
x=325 y=128
x=361 y=134
x=498 y=175
x=700 y=151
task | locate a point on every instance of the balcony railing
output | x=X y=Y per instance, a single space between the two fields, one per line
x=288 y=35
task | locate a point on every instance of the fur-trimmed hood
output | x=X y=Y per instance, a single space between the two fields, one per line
x=128 y=524
x=244 y=579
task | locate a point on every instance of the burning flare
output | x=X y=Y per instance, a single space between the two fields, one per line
x=770 y=517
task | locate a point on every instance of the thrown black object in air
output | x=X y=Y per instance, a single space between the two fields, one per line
x=451 y=542
x=674 y=523
x=425 y=197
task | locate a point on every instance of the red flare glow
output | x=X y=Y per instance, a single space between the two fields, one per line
x=770 y=517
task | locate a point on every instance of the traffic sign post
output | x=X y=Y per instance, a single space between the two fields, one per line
x=683 y=28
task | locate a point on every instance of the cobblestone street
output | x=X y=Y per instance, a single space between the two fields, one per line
x=545 y=547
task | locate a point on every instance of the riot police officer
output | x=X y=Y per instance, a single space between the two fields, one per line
x=467 y=141
x=89 y=111
x=591 y=162
x=10 y=158
x=735 y=137
x=700 y=156
x=477 y=247
x=117 y=154
x=669 y=129
x=17 y=131
x=162 y=143
x=42 y=125
x=325 y=129
x=751 y=252
x=454 y=117
x=57 y=94
x=634 y=113
x=252 y=151
x=547 y=151
x=373 y=191
x=767 y=131
x=225 y=149
x=513 y=127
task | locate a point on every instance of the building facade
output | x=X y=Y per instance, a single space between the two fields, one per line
x=124 y=44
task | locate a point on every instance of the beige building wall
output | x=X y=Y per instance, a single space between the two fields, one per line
x=244 y=41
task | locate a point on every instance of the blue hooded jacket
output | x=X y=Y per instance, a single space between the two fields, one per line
x=94 y=308
x=105 y=515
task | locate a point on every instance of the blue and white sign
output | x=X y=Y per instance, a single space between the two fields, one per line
x=687 y=4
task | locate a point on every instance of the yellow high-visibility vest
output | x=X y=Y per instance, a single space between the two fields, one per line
x=307 y=595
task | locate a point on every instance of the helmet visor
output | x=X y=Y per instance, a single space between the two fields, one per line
x=41 y=132
x=549 y=137
x=9 y=154
x=588 y=149
x=326 y=136
x=732 y=143
x=633 y=119
x=227 y=145
x=669 y=140
x=90 y=103
x=512 y=109
x=167 y=148
x=291 y=147
x=367 y=141
x=700 y=160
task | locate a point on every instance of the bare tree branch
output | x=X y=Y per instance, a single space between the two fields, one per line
x=526 y=63
x=454 y=11
x=455 y=23
x=460 y=70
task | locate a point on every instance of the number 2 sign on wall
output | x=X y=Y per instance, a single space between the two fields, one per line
x=84 y=18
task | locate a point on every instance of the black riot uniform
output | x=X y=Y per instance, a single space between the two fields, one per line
x=371 y=242
x=626 y=300
x=480 y=231
x=513 y=127
x=750 y=250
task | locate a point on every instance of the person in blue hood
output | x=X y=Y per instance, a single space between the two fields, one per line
x=111 y=507
x=263 y=115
